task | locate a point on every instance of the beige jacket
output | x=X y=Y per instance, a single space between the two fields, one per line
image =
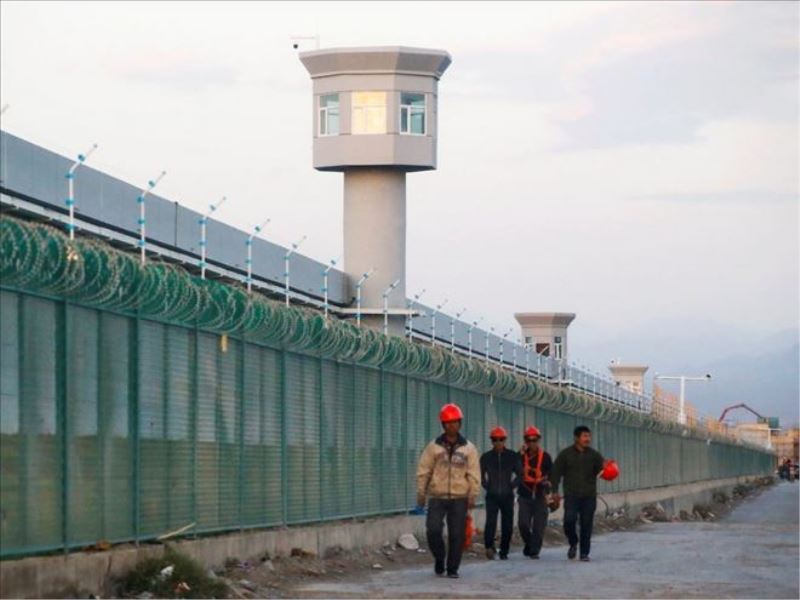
x=442 y=474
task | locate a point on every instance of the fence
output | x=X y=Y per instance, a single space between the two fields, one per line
x=128 y=411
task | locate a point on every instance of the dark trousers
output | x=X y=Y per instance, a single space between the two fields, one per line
x=579 y=508
x=532 y=521
x=505 y=506
x=455 y=511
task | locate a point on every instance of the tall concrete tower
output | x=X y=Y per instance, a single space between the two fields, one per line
x=375 y=113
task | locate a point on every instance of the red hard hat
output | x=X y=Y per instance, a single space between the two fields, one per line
x=498 y=432
x=450 y=412
x=532 y=432
x=610 y=471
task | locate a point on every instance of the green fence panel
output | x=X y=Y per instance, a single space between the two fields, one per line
x=134 y=401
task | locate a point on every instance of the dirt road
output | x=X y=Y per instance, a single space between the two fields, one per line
x=752 y=553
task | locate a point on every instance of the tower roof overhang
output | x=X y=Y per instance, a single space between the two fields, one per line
x=376 y=60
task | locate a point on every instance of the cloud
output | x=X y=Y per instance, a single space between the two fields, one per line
x=723 y=197
x=182 y=71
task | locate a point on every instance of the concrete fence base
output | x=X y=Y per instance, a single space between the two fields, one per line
x=83 y=573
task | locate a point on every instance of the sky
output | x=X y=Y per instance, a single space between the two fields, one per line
x=634 y=163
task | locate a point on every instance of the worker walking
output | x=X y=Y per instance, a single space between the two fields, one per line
x=532 y=491
x=449 y=474
x=579 y=465
x=500 y=470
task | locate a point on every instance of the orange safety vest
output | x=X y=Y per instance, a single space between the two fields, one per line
x=531 y=482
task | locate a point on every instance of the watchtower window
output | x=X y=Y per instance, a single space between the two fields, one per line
x=412 y=113
x=369 y=112
x=329 y=114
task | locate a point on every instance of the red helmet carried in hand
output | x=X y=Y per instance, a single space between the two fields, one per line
x=450 y=412
x=532 y=432
x=610 y=471
x=498 y=432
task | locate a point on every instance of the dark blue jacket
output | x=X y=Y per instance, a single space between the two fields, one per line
x=500 y=472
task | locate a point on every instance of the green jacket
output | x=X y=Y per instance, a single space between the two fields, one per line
x=579 y=471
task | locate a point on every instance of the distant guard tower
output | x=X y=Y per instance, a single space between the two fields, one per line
x=375 y=113
x=631 y=377
x=546 y=332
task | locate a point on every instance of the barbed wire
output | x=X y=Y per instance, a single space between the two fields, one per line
x=40 y=258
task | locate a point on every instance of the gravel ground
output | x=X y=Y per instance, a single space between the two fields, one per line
x=750 y=553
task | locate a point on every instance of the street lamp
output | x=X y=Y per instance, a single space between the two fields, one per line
x=386 y=293
x=249 y=260
x=359 y=283
x=70 y=201
x=203 y=240
x=286 y=256
x=325 y=284
x=411 y=306
x=682 y=399
x=433 y=321
x=472 y=326
x=453 y=328
x=142 y=221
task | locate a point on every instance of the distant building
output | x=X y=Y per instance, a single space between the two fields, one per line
x=786 y=444
x=754 y=433
x=630 y=377
x=666 y=406
x=545 y=332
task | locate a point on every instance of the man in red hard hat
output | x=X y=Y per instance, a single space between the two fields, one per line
x=579 y=465
x=532 y=492
x=500 y=469
x=449 y=474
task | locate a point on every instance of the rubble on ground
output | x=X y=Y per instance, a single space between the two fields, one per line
x=269 y=576
x=408 y=541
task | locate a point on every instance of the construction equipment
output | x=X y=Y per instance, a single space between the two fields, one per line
x=771 y=422
x=532 y=432
x=734 y=407
x=469 y=531
x=610 y=471
x=498 y=433
x=450 y=412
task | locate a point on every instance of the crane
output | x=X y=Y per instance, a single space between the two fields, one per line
x=734 y=407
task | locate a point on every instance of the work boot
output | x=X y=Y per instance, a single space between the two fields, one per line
x=490 y=553
x=503 y=556
x=438 y=568
x=573 y=550
x=584 y=558
x=526 y=551
x=453 y=574
x=534 y=556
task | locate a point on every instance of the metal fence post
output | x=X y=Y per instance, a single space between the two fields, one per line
x=241 y=394
x=102 y=434
x=284 y=478
x=382 y=449
x=353 y=444
x=62 y=381
x=165 y=416
x=193 y=412
x=404 y=442
x=320 y=429
x=133 y=407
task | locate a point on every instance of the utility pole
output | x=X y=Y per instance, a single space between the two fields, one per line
x=682 y=398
